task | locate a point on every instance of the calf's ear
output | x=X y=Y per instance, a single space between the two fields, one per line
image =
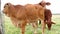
x=39 y=3
x=8 y=4
x=53 y=23
x=48 y=3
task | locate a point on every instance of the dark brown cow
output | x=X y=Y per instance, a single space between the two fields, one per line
x=48 y=14
x=21 y=15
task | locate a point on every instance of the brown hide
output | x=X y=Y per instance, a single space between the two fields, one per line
x=21 y=15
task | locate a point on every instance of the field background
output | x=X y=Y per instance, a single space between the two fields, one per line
x=11 y=29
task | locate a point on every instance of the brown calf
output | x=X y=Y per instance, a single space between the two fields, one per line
x=21 y=15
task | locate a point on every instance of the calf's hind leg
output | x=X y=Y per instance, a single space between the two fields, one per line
x=35 y=26
x=23 y=27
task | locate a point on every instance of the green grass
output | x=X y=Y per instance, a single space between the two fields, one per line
x=11 y=29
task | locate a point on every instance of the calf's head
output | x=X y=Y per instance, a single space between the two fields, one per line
x=44 y=3
x=6 y=9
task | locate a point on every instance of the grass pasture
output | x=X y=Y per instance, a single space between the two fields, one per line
x=11 y=29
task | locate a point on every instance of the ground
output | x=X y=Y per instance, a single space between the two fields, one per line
x=11 y=29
